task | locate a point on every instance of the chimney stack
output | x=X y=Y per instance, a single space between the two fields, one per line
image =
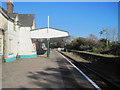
x=10 y=6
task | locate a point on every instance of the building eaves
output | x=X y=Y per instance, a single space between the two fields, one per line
x=13 y=15
x=5 y=14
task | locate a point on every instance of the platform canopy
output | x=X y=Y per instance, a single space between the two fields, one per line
x=47 y=33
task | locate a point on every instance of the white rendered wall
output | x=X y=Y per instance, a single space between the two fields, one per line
x=3 y=22
x=25 y=41
x=14 y=35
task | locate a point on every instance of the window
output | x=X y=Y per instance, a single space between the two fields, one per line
x=10 y=45
x=15 y=26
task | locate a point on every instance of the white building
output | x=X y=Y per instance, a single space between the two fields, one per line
x=6 y=25
x=12 y=38
x=17 y=34
x=3 y=19
x=26 y=46
x=19 y=31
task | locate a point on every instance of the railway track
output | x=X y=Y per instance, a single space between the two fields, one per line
x=99 y=79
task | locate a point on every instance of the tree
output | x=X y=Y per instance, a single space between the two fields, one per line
x=93 y=37
x=105 y=31
x=115 y=48
x=57 y=42
x=69 y=39
x=112 y=34
x=62 y=42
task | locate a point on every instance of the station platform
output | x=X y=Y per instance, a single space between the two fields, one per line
x=43 y=72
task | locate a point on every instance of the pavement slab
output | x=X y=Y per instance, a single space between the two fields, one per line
x=0 y=72
x=43 y=72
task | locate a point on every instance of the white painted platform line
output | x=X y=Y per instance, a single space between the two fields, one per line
x=96 y=86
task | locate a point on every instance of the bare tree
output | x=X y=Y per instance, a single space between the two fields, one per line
x=69 y=39
x=93 y=37
x=112 y=34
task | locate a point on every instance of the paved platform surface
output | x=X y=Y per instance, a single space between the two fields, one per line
x=0 y=72
x=43 y=72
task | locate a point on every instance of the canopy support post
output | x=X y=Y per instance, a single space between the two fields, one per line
x=48 y=48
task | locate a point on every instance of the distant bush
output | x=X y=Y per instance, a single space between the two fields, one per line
x=115 y=48
x=86 y=44
x=90 y=44
x=84 y=47
x=98 y=50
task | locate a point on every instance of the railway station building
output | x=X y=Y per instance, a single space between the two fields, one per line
x=15 y=34
x=19 y=36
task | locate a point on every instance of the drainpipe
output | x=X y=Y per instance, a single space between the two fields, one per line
x=4 y=45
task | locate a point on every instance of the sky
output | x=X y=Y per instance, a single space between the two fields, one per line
x=78 y=18
x=63 y=0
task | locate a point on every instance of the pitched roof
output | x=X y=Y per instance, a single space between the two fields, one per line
x=3 y=9
x=5 y=14
x=12 y=15
x=26 y=19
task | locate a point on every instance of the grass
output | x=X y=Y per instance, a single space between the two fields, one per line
x=104 y=55
x=77 y=56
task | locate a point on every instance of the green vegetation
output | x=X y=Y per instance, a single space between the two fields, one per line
x=77 y=57
x=91 y=45
x=98 y=46
x=104 y=55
